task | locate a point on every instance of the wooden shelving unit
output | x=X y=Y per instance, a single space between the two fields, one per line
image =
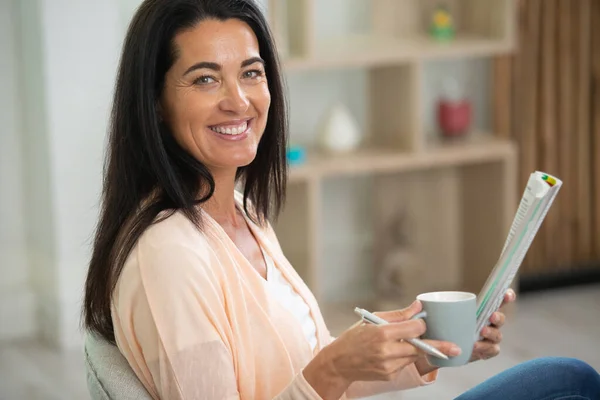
x=460 y=194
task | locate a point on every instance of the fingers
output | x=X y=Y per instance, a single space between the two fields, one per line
x=403 y=330
x=405 y=349
x=403 y=314
x=492 y=334
x=402 y=350
x=484 y=350
x=509 y=297
x=448 y=348
x=497 y=319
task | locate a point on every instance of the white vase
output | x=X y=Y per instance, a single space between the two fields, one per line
x=339 y=132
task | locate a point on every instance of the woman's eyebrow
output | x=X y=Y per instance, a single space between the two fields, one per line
x=203 y=64
x=216 y=67
x=252 y=60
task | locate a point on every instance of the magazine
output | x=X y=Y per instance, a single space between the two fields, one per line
x=539 y=194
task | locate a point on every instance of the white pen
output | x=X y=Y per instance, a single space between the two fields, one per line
x=374 y=319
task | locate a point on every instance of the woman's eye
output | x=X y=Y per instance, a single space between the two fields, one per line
x=204 y=80
x=254 y=73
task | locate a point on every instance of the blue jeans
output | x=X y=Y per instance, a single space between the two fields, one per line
x=552 y=378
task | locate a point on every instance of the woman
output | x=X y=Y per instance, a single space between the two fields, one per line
x=186 y=276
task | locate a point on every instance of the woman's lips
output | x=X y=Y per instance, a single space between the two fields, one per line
x=233 y=132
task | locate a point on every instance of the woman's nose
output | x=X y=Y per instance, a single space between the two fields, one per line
x=234 y=99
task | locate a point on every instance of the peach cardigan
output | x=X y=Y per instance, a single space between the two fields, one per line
x=194 y=320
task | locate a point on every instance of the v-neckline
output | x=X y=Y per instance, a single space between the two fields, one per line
x=259 y=239
x=269 y=264
x=254 y=234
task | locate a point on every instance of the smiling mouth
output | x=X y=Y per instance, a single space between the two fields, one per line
x=231 y=130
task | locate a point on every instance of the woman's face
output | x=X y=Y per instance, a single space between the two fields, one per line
x=216 y=98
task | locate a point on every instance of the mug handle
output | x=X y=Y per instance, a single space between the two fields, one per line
x=422 y=314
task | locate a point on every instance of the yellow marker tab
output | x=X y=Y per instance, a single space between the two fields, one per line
x=551 y=181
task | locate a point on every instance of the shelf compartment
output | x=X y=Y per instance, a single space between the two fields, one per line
x=474 y=80
x=487 y=19
x=459 y=219
x=417 y=230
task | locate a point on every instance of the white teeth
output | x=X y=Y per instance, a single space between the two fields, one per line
x=236 y=130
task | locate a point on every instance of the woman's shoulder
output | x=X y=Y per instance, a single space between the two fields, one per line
x=172 y=236
x=171 y=259
x=171 y=255
x=173 y=228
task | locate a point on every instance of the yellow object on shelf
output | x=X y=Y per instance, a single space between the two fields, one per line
x=442 y=26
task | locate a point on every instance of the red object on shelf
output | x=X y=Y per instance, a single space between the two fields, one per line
x=454 y=117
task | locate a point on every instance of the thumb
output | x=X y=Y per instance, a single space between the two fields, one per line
x=403 y=314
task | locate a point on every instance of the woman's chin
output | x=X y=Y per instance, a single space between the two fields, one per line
x=234 y=161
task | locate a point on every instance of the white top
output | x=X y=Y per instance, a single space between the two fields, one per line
x=279 y=287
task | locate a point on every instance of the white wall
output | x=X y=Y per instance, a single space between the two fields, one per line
x=81 y=41
x=60 y=77
x=16 y=297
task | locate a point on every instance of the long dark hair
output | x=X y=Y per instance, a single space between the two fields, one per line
x=146 y=171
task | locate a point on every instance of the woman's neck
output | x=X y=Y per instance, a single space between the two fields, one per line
x=221 y=206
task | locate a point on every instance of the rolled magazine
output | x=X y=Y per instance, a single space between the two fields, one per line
x=537 y=199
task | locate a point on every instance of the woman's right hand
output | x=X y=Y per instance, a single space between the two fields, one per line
x=368 y=352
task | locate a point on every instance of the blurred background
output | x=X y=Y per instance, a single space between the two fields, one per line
x=414 y=127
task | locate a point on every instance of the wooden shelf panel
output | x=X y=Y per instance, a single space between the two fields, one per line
x=436 y=155
x=359 y=51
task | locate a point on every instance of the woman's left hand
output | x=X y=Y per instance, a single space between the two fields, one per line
x=490 y=345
